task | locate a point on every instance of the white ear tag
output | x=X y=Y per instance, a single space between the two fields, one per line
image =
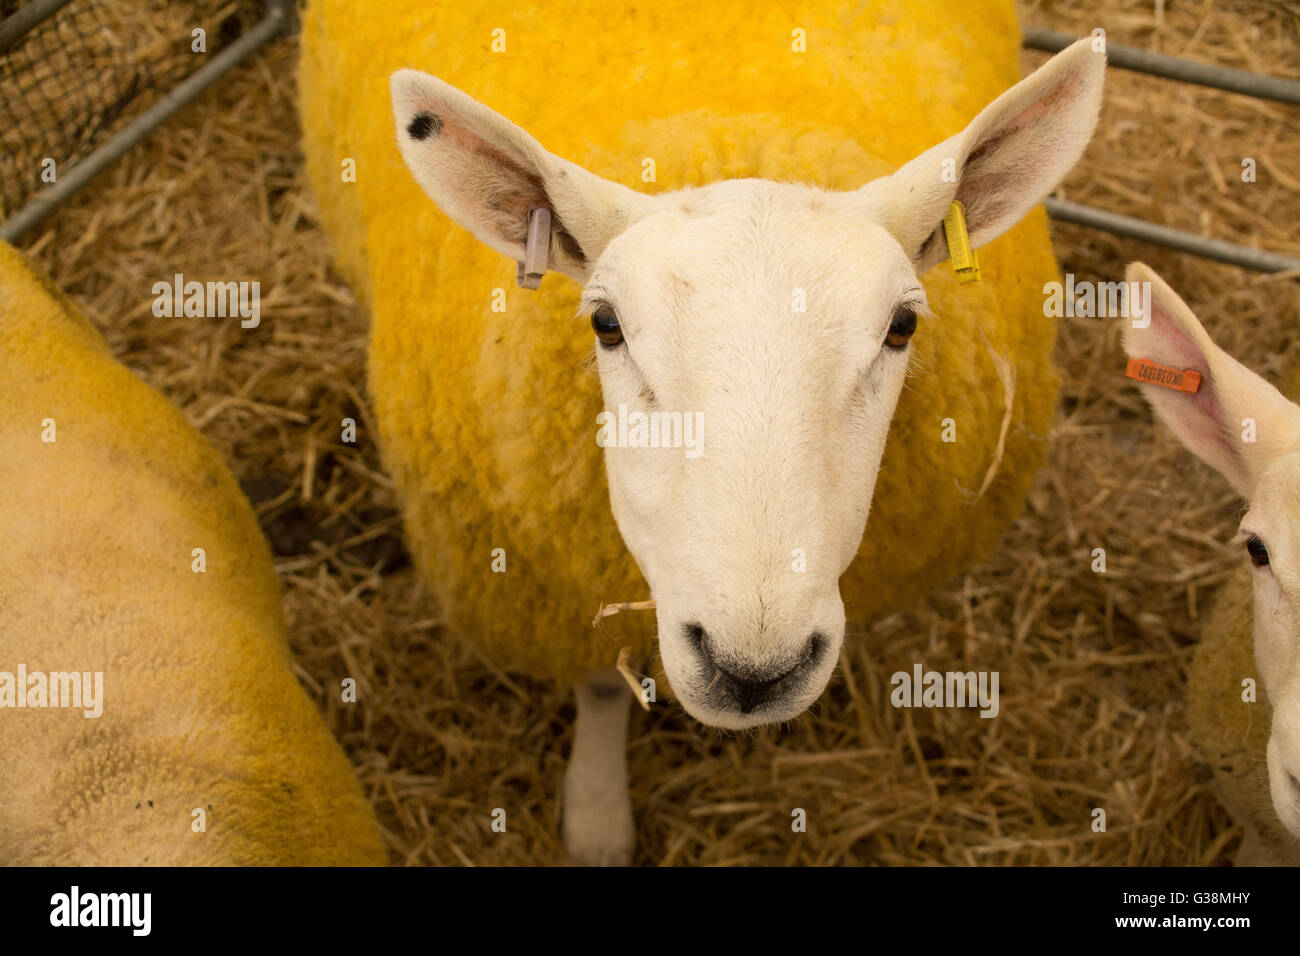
x=530 y=272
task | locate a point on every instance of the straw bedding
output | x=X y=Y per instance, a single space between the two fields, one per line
x=1093 y=710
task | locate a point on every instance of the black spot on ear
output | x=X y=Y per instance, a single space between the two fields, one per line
x=425 y=125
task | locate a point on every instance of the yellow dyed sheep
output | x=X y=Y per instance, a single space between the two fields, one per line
x=148 y=713
x=1249 y=432
x=752 y=335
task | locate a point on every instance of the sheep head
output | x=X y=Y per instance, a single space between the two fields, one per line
x=760 y=331
x=1250 y=433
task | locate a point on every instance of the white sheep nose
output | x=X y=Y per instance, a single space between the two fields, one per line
x=1284 y=777
x=1289 y=766
x=751 y=687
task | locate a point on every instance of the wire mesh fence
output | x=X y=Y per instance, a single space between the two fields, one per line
x=82 y=72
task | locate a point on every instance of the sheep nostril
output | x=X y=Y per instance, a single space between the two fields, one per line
x=817 y=645
x=695 y=636
x=1295 y=784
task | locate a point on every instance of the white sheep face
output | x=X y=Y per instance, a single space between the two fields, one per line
x=776 y=316
x=1249 y=432
x=1271 y=529
x=792 y=384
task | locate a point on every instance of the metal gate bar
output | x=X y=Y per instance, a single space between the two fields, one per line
x=1183 y=71
x=1197 y=245
x=1176 y=68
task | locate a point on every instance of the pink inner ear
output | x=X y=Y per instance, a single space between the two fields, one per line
x=1204 y=420
x=455 y=133
x=493 y=181
x=1067 y=89
x=1027 y=117
x=494 y=175
x=461 y=137
x=982 y=191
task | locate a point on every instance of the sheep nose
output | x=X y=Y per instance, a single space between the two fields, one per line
x=750 y=687
x=1284 y=754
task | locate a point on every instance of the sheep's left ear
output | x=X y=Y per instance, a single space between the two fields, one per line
x=487 y=174
x=1234 y=420
x=1000 y=166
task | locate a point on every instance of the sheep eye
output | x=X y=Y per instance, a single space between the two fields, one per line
x=1258 y=553
x=901 y=328
x=604 y=322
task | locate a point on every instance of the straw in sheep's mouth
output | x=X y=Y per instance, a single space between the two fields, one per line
x=607 y=610
x=622 y=666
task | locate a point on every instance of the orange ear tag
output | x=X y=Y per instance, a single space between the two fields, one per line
x=1145 y=370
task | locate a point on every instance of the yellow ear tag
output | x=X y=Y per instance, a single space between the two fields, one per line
x=964 y=261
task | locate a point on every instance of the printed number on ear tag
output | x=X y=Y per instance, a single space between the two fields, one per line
x=964 y=261
x=1180 y=380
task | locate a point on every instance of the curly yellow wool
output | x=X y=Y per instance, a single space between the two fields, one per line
x=200 y=710
x=487 y=419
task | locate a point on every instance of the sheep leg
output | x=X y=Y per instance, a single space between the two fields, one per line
x=598 y=828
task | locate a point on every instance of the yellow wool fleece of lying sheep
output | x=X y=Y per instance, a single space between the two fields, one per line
x=487 y=418
x=205 y=750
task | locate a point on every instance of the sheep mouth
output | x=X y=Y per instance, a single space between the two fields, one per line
x=725 y=715
x=717 y=702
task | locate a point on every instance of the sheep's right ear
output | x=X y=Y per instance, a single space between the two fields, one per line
x=487 y=174
x=1234 y=421
x=1001 y=165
